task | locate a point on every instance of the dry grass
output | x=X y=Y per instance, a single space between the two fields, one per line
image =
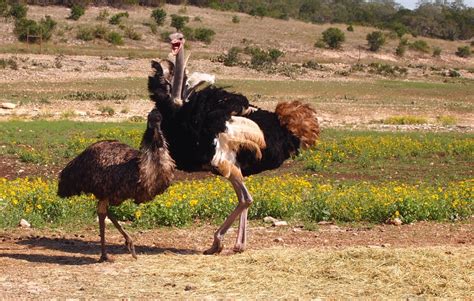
x=446 y=272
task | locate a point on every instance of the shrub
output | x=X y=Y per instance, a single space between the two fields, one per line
x=454 y=73
x=100 y=32
x=18 y=11
x=159 y=15
x=132 y=34
x=350 y=28
x=333 y=37
x=107 y=110
x=117 y=18
x=375 y=39
x=405 y=120
x=165 y=36
x=464 y=51
x=437 y=51
x=446 y=120
x=420 y=45
x=311 y=64
x=232 y=57
x=44 y=29
x=387 y=70
x=400 y=50
x=85 y=33
x=320 y=44
x=76 y=12
x=188 y=33
x=103 y=15
x=179 y=22
x=3 y=8
x=197 y=19
x=204 y=35
x=235 y=19
x=114 y=38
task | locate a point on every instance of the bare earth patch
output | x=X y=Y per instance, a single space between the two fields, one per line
x=422 y=259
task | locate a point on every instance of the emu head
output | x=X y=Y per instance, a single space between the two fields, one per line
x=153 y=135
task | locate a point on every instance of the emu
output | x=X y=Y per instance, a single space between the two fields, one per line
x=211 y=128
x=113 y=172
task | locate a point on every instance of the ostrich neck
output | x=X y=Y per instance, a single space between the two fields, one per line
x=178 y=76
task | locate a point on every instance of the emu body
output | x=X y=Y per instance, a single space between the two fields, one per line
x=113 y=172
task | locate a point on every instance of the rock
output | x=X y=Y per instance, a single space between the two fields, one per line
x=325 y=223
x=80 y=113
x=24 y=223
x=395 y=221
x=278 y=239
x=386 y=245
x=189 y=288
x=7 y=105
x=95 y=112
x=279 y=224
x=269 y=220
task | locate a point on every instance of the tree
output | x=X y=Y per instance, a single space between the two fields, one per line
x=18 y=11
x=333 y=37
x=179 y=22
x=76 y=12
x=159 y=15
x=375 y=39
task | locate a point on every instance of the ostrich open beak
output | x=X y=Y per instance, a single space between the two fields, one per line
x=177 y=42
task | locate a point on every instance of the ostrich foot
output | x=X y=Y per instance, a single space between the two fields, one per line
x=131 y=248
x=105 y=258
x=215 y=249
x=239 y=248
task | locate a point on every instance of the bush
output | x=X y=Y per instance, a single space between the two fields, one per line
x=235 y=19
x=114 y=38
x=179 y=22
x=165 y=36
x=320 y=44
x=3 y=8
x=232 y=57
x=437 y=51
x=159 y=15
x=43 y=29
x=132 y=34
x=117 y=18
x=188 y=33
x=464 y=51
x=350 y=28
x=18 y=11
x=103 y=15
x=204 y=35
x=333 y=37
x=85 y=33
x=420 y=45
x=312 y=64
x=76 y=12
x=100 y=32
x=260 y=57
x=375 y=39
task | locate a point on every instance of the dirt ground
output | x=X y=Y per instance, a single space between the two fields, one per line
x=55 y=264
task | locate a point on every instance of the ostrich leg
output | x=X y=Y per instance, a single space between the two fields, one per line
x=245 y=200
x=128 y=239
x=102 y=213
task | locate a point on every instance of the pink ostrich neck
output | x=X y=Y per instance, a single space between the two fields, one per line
x=178 y=79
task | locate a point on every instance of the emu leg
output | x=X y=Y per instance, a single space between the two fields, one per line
x=242 y=234
x=102 y=213
x=243 y=204
x=128 y=239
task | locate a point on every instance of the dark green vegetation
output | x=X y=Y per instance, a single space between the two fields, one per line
x=439 y=20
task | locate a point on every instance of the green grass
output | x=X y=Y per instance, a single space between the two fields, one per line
x=379 y=92
x=56 y=141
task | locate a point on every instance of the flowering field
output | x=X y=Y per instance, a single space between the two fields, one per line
x=289 y=197
x=435 y=180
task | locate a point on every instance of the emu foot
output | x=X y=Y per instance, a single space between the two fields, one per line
x=105 y=258
x=215 y=249
x=131 y=248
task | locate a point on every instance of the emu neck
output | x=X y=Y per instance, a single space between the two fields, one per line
x=178 y=77
x=156 y=167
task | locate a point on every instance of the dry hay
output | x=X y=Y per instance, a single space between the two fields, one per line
x=272 y=273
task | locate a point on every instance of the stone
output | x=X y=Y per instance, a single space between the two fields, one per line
x=278 y=239
x=279 y=224
x=24 y=223
x=269 y=220
x=7 y=105
x=80 y=113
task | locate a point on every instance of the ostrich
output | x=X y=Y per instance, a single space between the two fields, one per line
x=211 y=128
x=114 y=172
